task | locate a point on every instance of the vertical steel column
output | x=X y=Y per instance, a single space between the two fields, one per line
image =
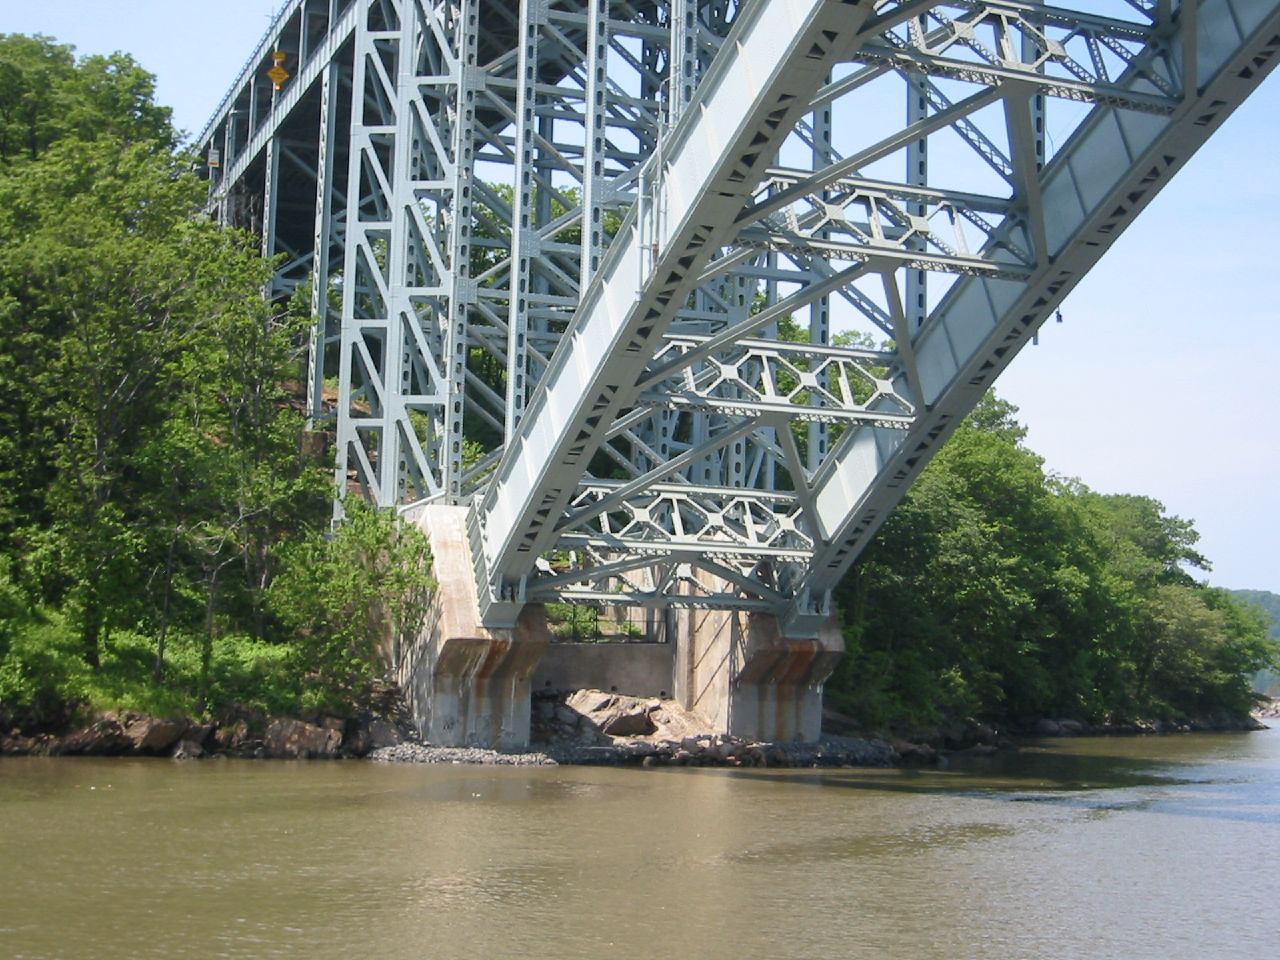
x=320 y=312
x=253 y=107
x=351 y=343
x=270 y=177
x=1030 y=52
x=398 y=362
x=916 y=293
x=684 y=58
x=525 y=242
x=820 y=309
x=682 y=77
x=593 y=161
x=462 y=289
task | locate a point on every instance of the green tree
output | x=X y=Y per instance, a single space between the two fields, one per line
x=352 y=599
x=997 y=590
x=47 y=96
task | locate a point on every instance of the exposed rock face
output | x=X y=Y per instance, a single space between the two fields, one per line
x=288 y=739
x=587 y=712
x=231 y=737
x=591 y=726
x=382 y=722
x=187 y=750
x=382 y=733
x=104 y=737
x=154 y=734
x=617 y=716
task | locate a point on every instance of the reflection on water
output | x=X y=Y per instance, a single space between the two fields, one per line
x=1075 y=848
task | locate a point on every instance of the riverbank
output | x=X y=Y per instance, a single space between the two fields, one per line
x=588 y=727
x=708 y=750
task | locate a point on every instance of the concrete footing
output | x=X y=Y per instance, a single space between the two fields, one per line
x=739 y=672
x=469 y=685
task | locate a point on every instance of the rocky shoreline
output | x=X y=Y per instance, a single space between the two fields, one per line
x=279 y=738
x=705 y=751
x=587 y=727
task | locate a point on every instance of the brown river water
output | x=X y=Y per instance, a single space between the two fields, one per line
x=1160 y=847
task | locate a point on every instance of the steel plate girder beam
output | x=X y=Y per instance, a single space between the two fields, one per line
x=706 y=169
x=1115 y=163
x=235 y=166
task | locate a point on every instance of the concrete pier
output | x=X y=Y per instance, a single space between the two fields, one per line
x=470 y=685
x=739 y=672
x=467 y=684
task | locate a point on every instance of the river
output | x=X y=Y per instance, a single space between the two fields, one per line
x=1088 y=848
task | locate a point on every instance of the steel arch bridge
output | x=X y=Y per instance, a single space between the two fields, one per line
x=679 y=296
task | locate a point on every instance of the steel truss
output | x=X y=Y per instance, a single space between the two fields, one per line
x=682 y=295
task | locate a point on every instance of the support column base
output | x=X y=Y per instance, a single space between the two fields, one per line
x=777 y=693
x=466 y=684
x=747 y=679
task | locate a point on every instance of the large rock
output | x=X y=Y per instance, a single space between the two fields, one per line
x=615 y=714
x=187 y=750
x=231 y=737
x=383 y=734
x=366 y=734
x=287 y=739
x=154 y=734
x=104 y=737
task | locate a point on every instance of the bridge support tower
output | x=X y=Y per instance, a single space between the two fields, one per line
x=472 y=685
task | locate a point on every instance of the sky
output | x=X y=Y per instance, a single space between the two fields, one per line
x=1161 y=380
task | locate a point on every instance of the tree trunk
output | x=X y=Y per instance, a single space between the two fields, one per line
x=158 y=674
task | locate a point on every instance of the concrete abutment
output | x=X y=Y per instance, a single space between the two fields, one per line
x=472 y=685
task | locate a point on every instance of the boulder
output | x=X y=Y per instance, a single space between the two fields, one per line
x=287 y=739
x=154 y=734
x=727 y=749
x=187 y=750
x=1048 y=728
x=615 y=714
x=590 y=702
x=1071 y=728
x=383 y=734
x=629 y=723
x=104 y=737
x=982 y=732
x=232 y=737
x=912 y=753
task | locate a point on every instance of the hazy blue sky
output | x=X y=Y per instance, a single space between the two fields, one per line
x=1162 y=379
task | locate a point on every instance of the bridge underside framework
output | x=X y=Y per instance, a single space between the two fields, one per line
x=675 y=299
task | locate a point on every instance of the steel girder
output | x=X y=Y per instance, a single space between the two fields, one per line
x=684 y=294
x=950 y=266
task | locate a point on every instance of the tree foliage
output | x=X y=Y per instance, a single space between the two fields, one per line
x=999 y=590
x=151 y=475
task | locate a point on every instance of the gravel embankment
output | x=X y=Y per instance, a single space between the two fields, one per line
x=423 y=753
x=703 y=751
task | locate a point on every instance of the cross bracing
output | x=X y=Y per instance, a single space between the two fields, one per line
x=682 y=296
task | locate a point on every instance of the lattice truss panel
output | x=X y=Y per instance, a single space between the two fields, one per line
x=860 y=217
x=683 y=295
x=486 y=136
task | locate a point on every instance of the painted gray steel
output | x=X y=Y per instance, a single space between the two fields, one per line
x=681 y=296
